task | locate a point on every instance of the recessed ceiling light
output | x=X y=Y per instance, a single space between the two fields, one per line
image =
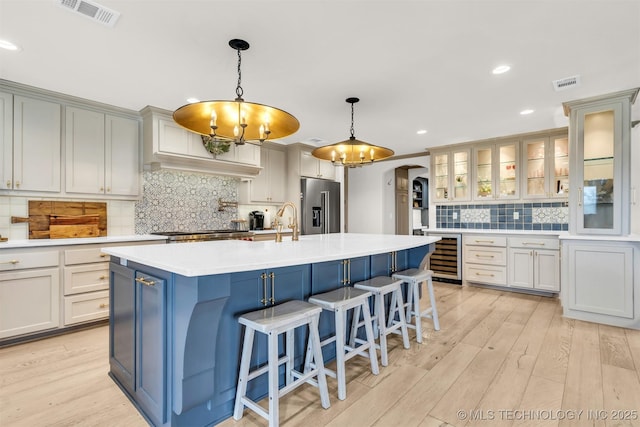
x=501 y=69
x=6 y=44
x=525 y=112
x=421 y=132
x=192 y=100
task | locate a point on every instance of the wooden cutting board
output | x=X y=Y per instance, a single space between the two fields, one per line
x=41 y=212
x=68 y=226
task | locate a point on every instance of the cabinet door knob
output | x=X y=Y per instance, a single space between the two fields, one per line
x=17 y=184
x=8 y=183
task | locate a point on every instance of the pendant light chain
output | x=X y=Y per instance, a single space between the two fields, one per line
x=239 y=91
x=352 y=131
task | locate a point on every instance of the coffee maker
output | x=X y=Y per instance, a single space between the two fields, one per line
x=256 y=220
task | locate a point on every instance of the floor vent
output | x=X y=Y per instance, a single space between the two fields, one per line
x=91 y=10
x=566 y=83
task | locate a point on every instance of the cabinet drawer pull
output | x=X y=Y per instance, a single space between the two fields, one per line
x=484 y=256
x=145 y=281
x=103 y=277
x=11 y=261
x=485 y=274
x=272 y=276
x=484 y=241
x=103 y=255
x=104 y=305
x=533 y=243
x=264 y=300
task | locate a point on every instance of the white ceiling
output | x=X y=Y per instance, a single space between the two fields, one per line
x=414 y=64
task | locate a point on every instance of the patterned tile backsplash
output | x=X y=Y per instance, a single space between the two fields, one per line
x=180 y=201
x=508 y=216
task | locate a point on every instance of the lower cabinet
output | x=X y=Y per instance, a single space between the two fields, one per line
x=388 y=263
x=138 y=338
x=534 y=263
x=485 y=259
x=601 y=282
x=29 y=291
x=522 y=262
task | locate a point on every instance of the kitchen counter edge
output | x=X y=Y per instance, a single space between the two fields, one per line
x=38 y=243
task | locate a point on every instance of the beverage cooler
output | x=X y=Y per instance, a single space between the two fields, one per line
x=446 y=260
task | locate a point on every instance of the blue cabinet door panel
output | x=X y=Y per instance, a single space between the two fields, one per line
x=121 y=326
x=151 y=371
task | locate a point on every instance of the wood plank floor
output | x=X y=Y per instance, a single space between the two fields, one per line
x=500 y=359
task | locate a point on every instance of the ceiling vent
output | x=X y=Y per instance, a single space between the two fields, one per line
x=91 y=10
x=566 y=83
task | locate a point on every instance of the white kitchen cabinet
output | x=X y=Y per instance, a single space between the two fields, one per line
x=316 y=168
x=169 y=145
x=485 y=259
x=600 y=153
x=451 y=170
x=534 y=263
x=29 y=291
x=102 y=153
x=495 y=175
x=600 y=281
x=270 y=185
x=246 y=153
x=545 y=167
x=30 y=144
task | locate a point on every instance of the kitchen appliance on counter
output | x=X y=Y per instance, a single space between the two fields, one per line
x=204 y=235
x=256 y=220
x=320 y=206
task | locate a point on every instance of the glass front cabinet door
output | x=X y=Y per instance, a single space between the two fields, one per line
x=600 y=133
x=545 y=167
x=451 y=173
x=496 y=174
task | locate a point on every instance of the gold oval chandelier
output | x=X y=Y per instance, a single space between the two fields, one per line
x=352 y=152
x=236 y=121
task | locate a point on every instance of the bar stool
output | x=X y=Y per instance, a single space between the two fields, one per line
x=380 y=286
x=414 y=277
x=273 y=321
x=340 y=301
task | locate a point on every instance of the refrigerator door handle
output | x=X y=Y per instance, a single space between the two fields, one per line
x=324 y=203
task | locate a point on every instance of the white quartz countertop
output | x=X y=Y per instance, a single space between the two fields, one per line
x=494 y=231
x=227 y=256
x=629 y=238
x=36 y=243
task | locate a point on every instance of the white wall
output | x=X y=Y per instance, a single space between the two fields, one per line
x=371 y=196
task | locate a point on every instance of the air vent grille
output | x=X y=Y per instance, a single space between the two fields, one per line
x=91 y=10
x=566 y=83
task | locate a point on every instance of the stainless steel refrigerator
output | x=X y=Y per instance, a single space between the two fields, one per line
x=320 y=206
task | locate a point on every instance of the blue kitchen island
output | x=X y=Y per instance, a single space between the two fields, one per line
x=174 y=337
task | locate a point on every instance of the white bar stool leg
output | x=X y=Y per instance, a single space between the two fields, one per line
x=382 y=328
x=403 y=319
x=244 y=373
x=274 y=394
x=314 y=338
x=434 y=310
x=370 y=338
x=415 y=291
x=290 y=349
x=340 y=359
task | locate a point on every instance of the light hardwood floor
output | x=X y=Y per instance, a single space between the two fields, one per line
x=502 y=358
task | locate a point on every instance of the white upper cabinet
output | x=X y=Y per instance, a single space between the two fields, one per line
x=451 y=173
x=545 y=167
x=31 y=152
x=600 y=132
x=316 y=168
x=495 y=175
x=169 y=145
x=270 y=186
x=102 y=153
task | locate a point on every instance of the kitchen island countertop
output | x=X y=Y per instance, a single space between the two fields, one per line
x=226 y=256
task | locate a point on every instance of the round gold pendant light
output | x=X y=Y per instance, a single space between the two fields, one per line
x=352 y=152
x=236 y=120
